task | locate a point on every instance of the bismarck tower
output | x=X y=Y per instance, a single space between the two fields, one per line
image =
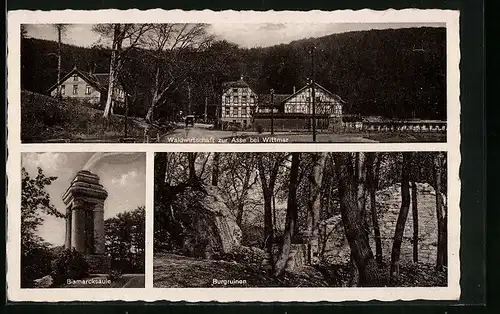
x=85 y=232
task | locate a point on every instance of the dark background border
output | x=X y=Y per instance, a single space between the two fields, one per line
x=472 y=170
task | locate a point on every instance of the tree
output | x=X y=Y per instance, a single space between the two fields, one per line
x=172 y=46
x=314 y=204
x=35 y=201
x=372 y=171
x=215 y=169
x=61 y=28
x=403 y=214
x=442 y=215
x=125 y=240
x=352 y=219
x=414 y=208
x=239 y=177
x=291 y=217
x=131 y=36
x=268 y=166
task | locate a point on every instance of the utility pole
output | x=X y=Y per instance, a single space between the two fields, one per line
x=189 y=98
x=126 y=116
x=313 y=95
x=206 y=105
x=272 y=111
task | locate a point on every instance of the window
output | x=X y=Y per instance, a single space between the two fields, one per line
x=88 y=90
x=236 y=99
x=63 y=89
x=243 y=111
x=252 y=98
x=308 y=98
x=235 y=90
x=244 y=98
x=75 y=77
x=75 y=89
x=228 y=99
x=228 y=112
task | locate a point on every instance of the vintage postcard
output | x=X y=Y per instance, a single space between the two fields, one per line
x=233 y=156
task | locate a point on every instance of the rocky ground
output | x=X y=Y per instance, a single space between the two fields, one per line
x=177 y=271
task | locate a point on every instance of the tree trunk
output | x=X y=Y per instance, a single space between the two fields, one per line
x=361 y=185
x=414 y=210
x=59 y=33
x=239 y=213
x=112 y=69
x=372 y=187
x=352 y=221
x=403 y=215
x=268 y=222
x=314 y=206
x=274 y=214
x=268 y=191
x=193 y=178
x=291 y=217
x=215 y=169
x=442 y=243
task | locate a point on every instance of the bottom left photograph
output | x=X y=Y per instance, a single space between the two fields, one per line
x=83 y=220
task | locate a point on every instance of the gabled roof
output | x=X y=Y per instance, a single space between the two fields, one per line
x=238 y=83
x=97 y=80
x=337 y=97
x=265 y=100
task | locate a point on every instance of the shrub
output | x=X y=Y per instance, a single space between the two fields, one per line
x=35 y=263
x=69 y=264
x=259 y=128
x=115 y=274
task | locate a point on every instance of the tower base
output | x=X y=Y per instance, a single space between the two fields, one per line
x=98 y=263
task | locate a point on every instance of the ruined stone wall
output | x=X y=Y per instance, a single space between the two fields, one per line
x=389 y=204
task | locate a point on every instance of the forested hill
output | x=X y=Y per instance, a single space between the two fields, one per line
x=392 y=73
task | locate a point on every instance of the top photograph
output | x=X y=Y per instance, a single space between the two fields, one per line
x=234 y=83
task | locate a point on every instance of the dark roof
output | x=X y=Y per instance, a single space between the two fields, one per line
x=101 y=78
x=318 y=86
x=98 y=80
x=265 y=100
x=238 y=83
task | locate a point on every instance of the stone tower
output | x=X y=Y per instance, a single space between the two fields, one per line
x=85 y=232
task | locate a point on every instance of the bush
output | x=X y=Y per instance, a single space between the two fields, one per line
x=259 y=128
x=69 y=264
x=35 y=263
x=115 y=274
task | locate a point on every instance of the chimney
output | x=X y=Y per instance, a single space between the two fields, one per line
x=294 y=89
x=241 y=77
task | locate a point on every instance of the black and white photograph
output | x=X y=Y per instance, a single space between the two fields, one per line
x=300 y=219
x=83 y=220
x=234 y=83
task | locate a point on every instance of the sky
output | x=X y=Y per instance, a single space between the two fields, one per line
x=123 y=175
x=246 y=35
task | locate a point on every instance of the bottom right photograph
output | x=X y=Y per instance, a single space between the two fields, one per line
x=299 y=219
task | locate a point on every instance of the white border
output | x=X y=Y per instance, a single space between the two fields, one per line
x=15 y=18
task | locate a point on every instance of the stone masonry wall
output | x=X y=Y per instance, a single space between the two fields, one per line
x=389 y=205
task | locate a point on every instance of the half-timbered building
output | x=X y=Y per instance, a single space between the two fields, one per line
x=238 y=103
x=88 y=87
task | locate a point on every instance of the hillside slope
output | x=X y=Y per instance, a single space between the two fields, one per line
x=45 y=118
